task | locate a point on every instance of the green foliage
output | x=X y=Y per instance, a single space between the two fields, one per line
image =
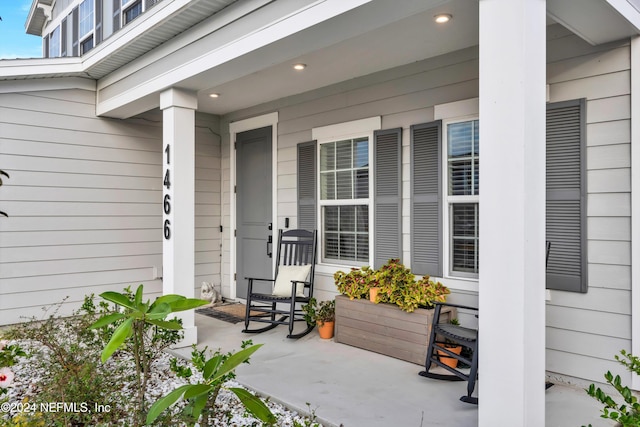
x=398 y=285
x=308 y=422
x=202 y=396
x=314 y=313
x=356 y=283
x=626 y=414
x=9 y=354
x=142 y=325
x=66 y=353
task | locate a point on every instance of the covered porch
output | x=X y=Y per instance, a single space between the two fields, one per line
x=354 y=387
x=386 y=66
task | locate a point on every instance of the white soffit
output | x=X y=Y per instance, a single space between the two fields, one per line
x=596 y=21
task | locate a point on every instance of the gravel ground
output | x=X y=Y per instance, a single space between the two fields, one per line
x=229 y=410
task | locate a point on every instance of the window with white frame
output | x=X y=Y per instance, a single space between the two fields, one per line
x=86 y=25
x=54 y=43
x=344 y=199
x=131 y=9
x=462 y=196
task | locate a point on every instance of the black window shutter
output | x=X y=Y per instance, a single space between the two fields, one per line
x=426 y=199
x=307 y=185
x=63 y=37
x=46 y=46
x=566 y=196
x=116 y=15
x=74 y=32
x=387 y=161
x=98 y=12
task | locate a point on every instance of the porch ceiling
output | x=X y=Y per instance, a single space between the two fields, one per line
x=359 y=52
x=403 y=41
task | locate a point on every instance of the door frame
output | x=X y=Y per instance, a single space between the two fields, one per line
x=258 y=122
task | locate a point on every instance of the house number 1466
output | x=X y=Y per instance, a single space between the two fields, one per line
x=167 y=198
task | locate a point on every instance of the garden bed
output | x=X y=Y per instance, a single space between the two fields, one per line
x=385 y=329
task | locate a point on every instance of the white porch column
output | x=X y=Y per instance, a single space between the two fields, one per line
x=178 y=135
x=512 y=213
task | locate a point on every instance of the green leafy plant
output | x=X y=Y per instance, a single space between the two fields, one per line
x=310 y=421
x=139 y=322
x=356 y=283
x=202 y=396
x=66 y=355
x=398 y=285
x=319 y=313
x=626 y=414
x=9 y=354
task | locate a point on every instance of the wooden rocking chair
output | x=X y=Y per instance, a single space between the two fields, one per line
x=292 y=285
x=446 y=333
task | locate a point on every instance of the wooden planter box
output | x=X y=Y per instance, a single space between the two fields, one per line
x=385 y=329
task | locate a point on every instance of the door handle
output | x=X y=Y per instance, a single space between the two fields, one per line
x=269 y=247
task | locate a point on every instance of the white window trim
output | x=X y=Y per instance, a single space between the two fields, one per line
x=454 y=112
x=128 y=5
x=331 y=133
x=59 y=53
x=90 y=33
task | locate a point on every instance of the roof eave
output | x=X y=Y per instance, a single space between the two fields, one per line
x=36 y=18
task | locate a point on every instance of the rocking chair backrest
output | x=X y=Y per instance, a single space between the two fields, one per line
x=297 y=247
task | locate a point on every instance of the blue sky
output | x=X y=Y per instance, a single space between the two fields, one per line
x=14 y=41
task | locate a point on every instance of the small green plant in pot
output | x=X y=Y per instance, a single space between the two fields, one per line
x=323 y=315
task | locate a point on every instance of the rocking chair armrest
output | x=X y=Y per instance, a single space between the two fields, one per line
x=294 y=285
x=464 y=307
x=250 y=283
x=258 y=278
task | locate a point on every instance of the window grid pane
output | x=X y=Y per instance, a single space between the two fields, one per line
x=54 y=43
x=464 y=237
x=463 y=153
x=85 y=18
x=344 y=169
x=344 y=177
x=346 y=232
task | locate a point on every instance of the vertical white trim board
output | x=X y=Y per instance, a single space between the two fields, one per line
x=635 y=204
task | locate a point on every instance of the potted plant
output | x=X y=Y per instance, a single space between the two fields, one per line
x=356 y=283
x=398 y=285
x=450 y=361
x=398 y=324
x=323 y=315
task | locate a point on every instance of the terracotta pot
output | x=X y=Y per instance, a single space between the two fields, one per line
x=451 y=362
x=326 y=330
x=373 y=293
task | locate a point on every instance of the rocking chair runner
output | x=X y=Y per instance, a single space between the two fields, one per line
x=292 y=285
x=446 y=333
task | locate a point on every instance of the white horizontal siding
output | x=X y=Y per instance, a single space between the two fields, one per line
x=406 y=95
x=585 y=331
x=85 y=201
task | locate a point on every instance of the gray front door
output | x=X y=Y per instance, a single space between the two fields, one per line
x=253 y=207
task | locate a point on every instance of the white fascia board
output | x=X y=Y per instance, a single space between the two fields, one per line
x=121 y=38
x=285 y=26
x=39 y=67
x=35 y=85
x=219 y=20
x=630 y=13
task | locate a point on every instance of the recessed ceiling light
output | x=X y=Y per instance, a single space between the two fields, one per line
x=214 y=95
x=299 y=67
x=442 y=18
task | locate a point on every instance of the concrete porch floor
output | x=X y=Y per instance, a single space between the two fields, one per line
x=355 y=387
